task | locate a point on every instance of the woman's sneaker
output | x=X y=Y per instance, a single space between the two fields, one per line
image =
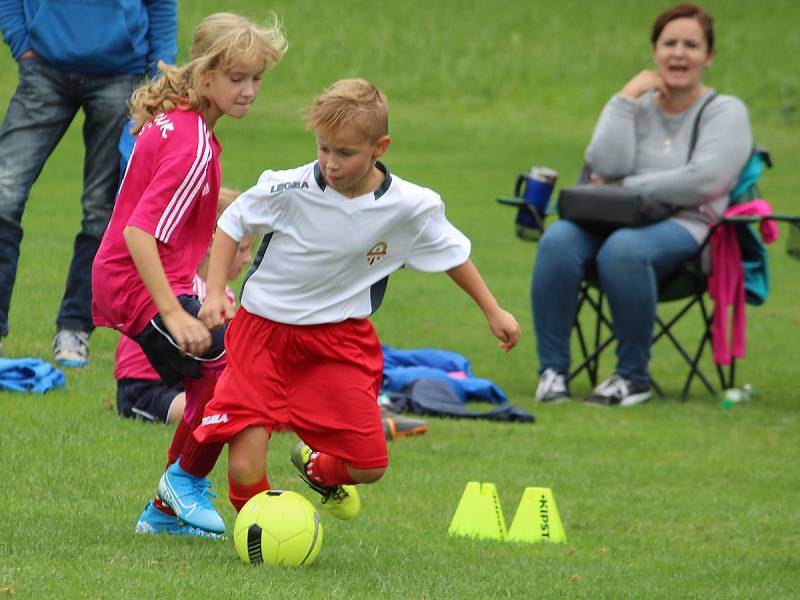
x=341 y=501
x=618 y=391
x=552 y=387
x=153 y=521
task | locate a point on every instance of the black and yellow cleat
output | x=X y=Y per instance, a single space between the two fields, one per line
x=341 y=501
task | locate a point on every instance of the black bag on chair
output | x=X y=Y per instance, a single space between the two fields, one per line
x=603 y=208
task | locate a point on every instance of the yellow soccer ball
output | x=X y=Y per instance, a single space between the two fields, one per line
x=277 y=527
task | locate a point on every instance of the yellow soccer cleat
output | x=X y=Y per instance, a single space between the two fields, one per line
x=341 y=501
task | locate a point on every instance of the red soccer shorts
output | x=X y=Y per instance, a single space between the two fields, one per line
x=320 y=381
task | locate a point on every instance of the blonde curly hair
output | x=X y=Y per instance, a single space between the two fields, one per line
x=220 y=42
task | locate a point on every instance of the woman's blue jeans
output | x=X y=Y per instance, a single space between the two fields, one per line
x=629 y=263
x=40 y=111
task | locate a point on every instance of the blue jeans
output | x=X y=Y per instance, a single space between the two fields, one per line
x=40 y=111
x=629 y=263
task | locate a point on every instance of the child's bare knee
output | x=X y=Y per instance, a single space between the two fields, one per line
x=367 y=475
x=242 y=467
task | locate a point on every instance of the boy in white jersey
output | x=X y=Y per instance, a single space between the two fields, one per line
x=302 y=354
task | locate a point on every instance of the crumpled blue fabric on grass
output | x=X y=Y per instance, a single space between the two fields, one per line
x=29 y=375
x=470 y=388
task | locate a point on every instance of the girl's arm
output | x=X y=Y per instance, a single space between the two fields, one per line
x=502 y=323
x=217 y=309
x=190 y=334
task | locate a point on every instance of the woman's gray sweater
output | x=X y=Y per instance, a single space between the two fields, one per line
x=636 y=142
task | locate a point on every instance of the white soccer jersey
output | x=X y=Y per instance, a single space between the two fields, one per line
x=325 y=257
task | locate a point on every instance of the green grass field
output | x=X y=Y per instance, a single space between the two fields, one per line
x=668 y=500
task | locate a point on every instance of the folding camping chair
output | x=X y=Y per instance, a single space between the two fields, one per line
x=688 y=285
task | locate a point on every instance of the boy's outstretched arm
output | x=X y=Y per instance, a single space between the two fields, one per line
x=502 y=323
x=217 y=309
x=190 y=334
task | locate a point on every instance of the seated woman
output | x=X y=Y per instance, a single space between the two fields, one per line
x=642 y=141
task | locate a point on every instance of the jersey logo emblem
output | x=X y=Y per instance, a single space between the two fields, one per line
x=288 y=185
x=377 y=252
x=206 y=189
x=164 y=124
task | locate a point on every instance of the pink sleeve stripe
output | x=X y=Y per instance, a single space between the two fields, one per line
x=188 y=188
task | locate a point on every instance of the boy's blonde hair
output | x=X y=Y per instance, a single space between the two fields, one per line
x=220 y=42
x=353 y=102
x=226 y=198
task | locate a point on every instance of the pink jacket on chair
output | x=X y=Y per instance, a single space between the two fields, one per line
x=726 y=282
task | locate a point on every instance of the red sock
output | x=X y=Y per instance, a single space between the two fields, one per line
x=182 y=432
x=159 y=504
x=240 y=493
x=198 y=459
x=328 y=470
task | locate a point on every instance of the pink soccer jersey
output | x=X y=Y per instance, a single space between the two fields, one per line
x=170 y=190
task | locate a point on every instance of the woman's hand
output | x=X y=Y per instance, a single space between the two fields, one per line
x=596 y=179
x=643 y=82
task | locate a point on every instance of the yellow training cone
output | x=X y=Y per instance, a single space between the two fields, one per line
x=479 y=513
x=537 y=518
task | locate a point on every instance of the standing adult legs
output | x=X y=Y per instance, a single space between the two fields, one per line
x=104 y=101
x=564 y=252
x=630 y=263
x=39 y=113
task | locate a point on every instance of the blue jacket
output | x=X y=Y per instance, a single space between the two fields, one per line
x=105 y=37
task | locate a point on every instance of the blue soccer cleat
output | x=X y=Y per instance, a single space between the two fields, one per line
x=153 y=521
x=189 y=497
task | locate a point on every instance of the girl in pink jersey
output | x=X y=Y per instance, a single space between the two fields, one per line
x=140 y=392
x=165 y=216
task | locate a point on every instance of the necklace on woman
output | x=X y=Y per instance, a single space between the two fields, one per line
x=673 y=115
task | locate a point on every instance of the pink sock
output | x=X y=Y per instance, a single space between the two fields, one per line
x=182 y=433
x=199 y=391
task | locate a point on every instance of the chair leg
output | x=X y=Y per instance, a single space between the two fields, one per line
x=694 y=369
x=693 y=362
x=599 y=321
x=657 y=388
x=591 y=357
x=708 y=317
x=582 y=298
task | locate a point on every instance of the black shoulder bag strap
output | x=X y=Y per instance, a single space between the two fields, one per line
x=695 y=125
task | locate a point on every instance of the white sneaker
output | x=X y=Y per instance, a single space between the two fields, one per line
x=71 y=348
x=616 y=390
x=552 y=387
